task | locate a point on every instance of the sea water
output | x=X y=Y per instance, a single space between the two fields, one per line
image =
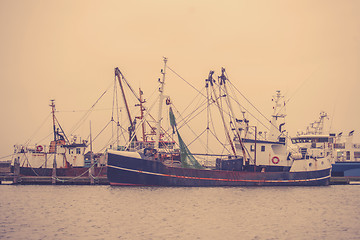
x=105 y=212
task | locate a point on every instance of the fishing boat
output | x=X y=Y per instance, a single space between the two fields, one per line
x=252 y=161
x=344 y=153
x=63 y=159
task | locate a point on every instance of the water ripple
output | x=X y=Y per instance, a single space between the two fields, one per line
x=104 y=212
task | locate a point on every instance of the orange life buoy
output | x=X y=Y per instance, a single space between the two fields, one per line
x=39 y=148
x=275 y=160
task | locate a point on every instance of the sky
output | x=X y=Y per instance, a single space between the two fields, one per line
x=67 y=51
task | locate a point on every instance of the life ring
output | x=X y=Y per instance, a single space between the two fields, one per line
x=275 y=160
x=39 y=148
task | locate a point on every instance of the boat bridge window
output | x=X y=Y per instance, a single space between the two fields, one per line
x=339 y=145
x=310 y=140
x=78 y=151
x=301 y=140
x=252 y=148
x=167 y=145
x=323 y=139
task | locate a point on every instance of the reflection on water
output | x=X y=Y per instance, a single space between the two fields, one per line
x=104 y=212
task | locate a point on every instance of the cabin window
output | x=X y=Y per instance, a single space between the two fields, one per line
x=78 y=151
x=263 y=148
x=356 y=154
x=325 y=139
x=252 y=148
x=339 y=145
x=347 y=155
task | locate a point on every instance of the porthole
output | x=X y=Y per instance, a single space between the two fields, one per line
x=310 y=164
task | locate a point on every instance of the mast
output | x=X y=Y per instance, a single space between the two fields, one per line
x=161 y=100
x=91 y=170
x=223 y=80
x=53 y=173
x=141 y=100
x=275 y=128
x=52 y=105
x=211 y=81
x=119 y=75
x=317 y=126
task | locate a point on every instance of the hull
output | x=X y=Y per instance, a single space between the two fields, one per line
x=61 y=172
x=128 y=171
x=346 y=169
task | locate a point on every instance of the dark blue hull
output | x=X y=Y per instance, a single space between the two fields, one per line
x=346 y=169
x=124 y=170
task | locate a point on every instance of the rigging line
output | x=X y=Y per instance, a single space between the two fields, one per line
x=113 y=107
x=184 y=120
x=109 y=142
x=245 y=99
x=83 y=110
x=250 y=104
x=86 y=115
x=191 y=116
x=131 y=89
x=61 y=129
x=185 y=123
x=201 y=134
x=192 y=112
x=28 y=141
x=185 y=81
x=127 y=144
x=102 y=130
x=149 y=114
x=302 y=84
x=190 y=84
x=45 y=137
x=220 y=142
x=332 y=118
x=236 y=101
x=212 y=122
x=11 y=155
x=122 y=132
x=198 y=138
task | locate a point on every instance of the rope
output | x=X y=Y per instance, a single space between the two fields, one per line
x=86 y=115
x=28 y=141
x=185 y=81
x=11 y=155
x=236 y=101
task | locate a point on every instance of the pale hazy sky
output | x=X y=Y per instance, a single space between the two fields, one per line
x=67 y=50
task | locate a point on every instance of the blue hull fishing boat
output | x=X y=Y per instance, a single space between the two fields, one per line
x=253 y=160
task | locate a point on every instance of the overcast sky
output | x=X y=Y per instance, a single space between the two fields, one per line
x=67 y=50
